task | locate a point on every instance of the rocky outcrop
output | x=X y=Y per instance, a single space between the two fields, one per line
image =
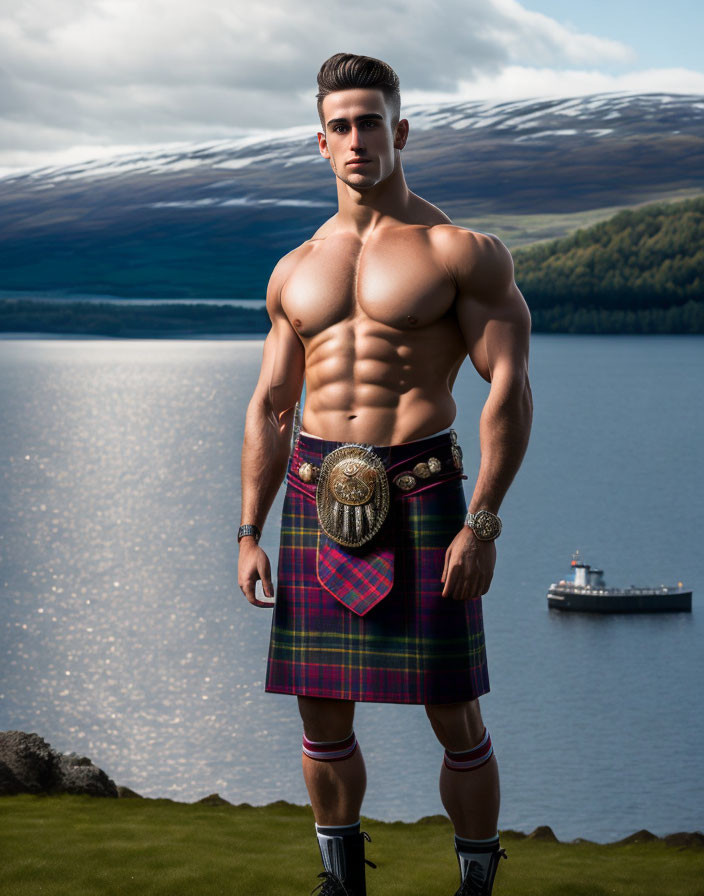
x=642 y=836
x=127 y=793
x=686 y=840
x=214 y=799
x=544 y=833
x=29 y=765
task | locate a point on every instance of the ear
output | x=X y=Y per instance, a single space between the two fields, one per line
x=401 y=134
x=323 y=146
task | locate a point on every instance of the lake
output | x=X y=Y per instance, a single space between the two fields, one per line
x=126 y=638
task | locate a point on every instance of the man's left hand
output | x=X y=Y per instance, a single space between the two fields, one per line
x=469 y=566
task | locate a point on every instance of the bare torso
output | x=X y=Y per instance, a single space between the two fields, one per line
x=377 y=321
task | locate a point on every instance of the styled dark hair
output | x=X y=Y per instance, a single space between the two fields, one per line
x=345 y=71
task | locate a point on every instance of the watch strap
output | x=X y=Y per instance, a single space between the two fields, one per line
x=249 y=529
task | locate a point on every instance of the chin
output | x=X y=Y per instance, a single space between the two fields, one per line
x=361 y=181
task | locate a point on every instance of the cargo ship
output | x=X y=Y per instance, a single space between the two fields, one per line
x=586 y=592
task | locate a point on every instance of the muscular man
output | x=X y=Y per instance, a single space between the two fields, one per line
x=381 y=576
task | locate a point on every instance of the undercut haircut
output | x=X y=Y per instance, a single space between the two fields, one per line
x=347 y=71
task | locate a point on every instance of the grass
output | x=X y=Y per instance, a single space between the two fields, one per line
x=86 y=846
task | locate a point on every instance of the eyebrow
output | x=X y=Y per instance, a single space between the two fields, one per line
x=358 y=118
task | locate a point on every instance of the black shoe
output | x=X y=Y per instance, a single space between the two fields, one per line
x=476 y=883
x=330 y=885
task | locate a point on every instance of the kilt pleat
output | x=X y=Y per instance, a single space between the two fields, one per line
x=413 y=646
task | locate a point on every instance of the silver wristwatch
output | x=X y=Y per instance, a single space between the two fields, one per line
x=485 y=524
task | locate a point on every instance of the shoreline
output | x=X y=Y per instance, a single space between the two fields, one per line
x=192 y=336
x=542 y=833
x=188 y=335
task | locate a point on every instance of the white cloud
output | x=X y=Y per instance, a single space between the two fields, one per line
x=523 y=82
x=106 y=73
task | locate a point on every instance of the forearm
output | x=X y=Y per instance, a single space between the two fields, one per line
x=265 y=454
x=504 y=430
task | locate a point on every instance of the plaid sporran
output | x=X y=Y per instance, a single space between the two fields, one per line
x=352 y=495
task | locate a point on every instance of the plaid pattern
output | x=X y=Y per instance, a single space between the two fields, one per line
x=359 y=578
x=412 y=646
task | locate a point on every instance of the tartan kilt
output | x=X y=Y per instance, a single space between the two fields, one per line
x=413 y=645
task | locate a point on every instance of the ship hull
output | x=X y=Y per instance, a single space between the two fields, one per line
x=619 y=601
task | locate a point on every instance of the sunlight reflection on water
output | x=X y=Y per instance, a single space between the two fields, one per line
x=126 y=637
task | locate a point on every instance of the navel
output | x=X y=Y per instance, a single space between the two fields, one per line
x=296 y=323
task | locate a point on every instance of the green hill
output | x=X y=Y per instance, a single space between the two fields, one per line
x=641 y=271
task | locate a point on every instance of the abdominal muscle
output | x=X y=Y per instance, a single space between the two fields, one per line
x=379 y=385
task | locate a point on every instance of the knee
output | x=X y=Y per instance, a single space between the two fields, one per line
x=458 y=726
x=326 y=720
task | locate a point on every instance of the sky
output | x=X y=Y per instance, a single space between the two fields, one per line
x=82 y=79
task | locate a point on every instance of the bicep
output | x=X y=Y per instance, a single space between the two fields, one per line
x=283 y=358
x=493 y=315
x=283 y=365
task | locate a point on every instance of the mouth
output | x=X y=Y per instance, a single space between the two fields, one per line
x=358 y=162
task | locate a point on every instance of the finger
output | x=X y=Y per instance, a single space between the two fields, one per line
x=255 y=601
x=464 y=592
x=466 y=589
x=452 y=582
x=462 y=589
x=475 y=583
x=444 y=568
x=480 y=591
x=249 y=589
x=485 y=582
x=446 y=578
x=263 y=599
x=265 y=573
x=473 y=590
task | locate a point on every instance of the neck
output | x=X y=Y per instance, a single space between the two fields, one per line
x=361 y=210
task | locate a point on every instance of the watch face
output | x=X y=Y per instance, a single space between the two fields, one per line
x=486 y=525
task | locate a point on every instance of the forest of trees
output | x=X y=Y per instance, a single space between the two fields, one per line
x=641 y=271
x=109 y=319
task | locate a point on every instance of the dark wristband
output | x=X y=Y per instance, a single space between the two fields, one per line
x=249 y=529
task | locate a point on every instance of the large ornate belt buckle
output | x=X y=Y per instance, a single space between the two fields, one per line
x=352 y=495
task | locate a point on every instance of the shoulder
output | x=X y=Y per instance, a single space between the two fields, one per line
x=283 y=269
x=478 y=262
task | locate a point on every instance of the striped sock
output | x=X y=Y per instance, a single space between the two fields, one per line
x=331 y=840
x=479 y=851
x=468 y=760
x=330 y=750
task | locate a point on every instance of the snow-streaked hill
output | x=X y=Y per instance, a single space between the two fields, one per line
x=212 y=218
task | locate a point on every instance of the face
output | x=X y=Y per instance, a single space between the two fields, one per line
x=359 y=139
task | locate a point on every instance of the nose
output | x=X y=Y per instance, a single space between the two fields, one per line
x=357 y=139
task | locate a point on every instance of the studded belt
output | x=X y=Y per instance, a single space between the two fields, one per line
x=352 y=485
x=405 y=479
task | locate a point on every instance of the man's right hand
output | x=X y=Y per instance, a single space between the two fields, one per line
x=254 y=565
